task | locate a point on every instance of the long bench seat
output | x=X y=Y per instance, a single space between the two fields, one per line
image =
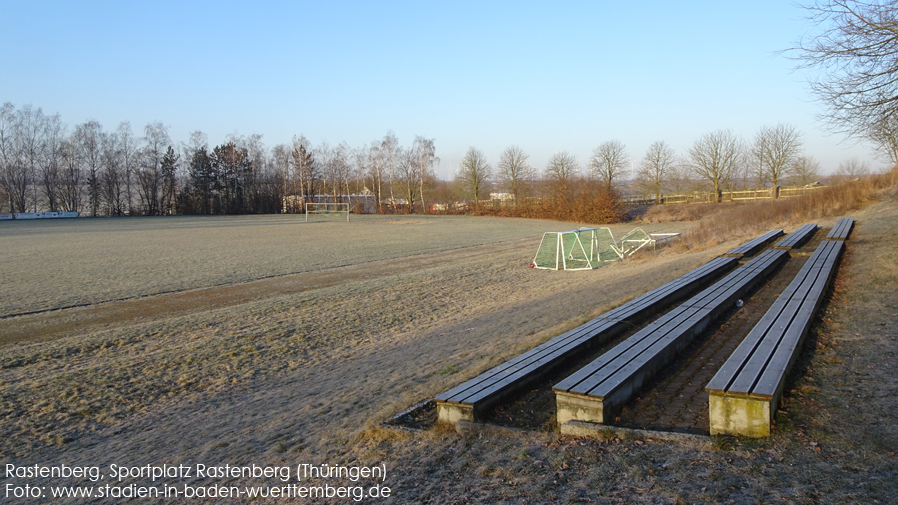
x=798 y=237
x=598 y=391
x=754 y=245
x=842 y=229
x=745 y=392
x=469 y=400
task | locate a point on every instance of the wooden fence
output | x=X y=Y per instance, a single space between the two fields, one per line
x=726 y=196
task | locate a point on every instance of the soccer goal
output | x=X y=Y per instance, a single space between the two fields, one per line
x=328 y=209
x=589 y=248
x=582 y=249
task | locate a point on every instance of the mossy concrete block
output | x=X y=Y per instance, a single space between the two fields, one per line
x=570 y=407
x=740 y=415
x=454 y=412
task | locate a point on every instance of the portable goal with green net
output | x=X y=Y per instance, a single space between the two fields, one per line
x=328 y=210
x=582 y=249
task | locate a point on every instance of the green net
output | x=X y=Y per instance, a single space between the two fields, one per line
x=577 y=256
x=607 y=249
x=581 y=249
x=588 y=248
x=633 y=241
x=548 y=255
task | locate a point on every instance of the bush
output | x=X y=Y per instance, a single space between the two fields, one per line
x=589 y=203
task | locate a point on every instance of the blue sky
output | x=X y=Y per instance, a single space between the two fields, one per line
x=546 y=77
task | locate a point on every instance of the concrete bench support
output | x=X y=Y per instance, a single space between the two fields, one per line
x=742 y=415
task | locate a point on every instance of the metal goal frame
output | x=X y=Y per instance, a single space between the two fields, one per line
x=327 y=208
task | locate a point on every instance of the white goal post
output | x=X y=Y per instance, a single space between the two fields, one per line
x=328 y=208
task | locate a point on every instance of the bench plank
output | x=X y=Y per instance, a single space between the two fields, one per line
x=842 y=229
x=798 y=237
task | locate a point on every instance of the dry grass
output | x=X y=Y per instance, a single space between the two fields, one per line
x=724 y=222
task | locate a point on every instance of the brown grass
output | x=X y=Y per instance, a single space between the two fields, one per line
x=721 y=222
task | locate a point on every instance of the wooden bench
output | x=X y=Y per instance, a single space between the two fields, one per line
x=468 y=401
x=745 y=392
x=598 y=391
x=798 y=237
x=842 y=229
x=754 y=245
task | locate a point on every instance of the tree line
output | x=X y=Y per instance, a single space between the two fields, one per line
x=47 y=167
x=717 y=161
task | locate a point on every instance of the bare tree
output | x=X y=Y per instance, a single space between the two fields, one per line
x=72 y=181
x=16 y=173
x=127 y=148
x=716 y=157
x=884 y=135
x=112 y=177
x=360 y=160
x=376 y=166
x=389 y=147
x=678 y=178
x=51 y=161
x=854 y=55
x=334 y=165
x=655 y=168
x=305 y=169
x=151 y=176
x=424 y=154
x=406 y=176
x=89 y=138
x=852 y=168
x=474 y=172
x=344 y=168
x=31 y=131
x=22 y=152
x=9 y=163
x=609 y=162
x=324 y=158
x=280 y=157
x=753 y=168
x=776 y=150
x=515 y=172
x=561 y=171
x=805 y=171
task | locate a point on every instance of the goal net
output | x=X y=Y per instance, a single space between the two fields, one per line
x=328 y=210
x=582 y=249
